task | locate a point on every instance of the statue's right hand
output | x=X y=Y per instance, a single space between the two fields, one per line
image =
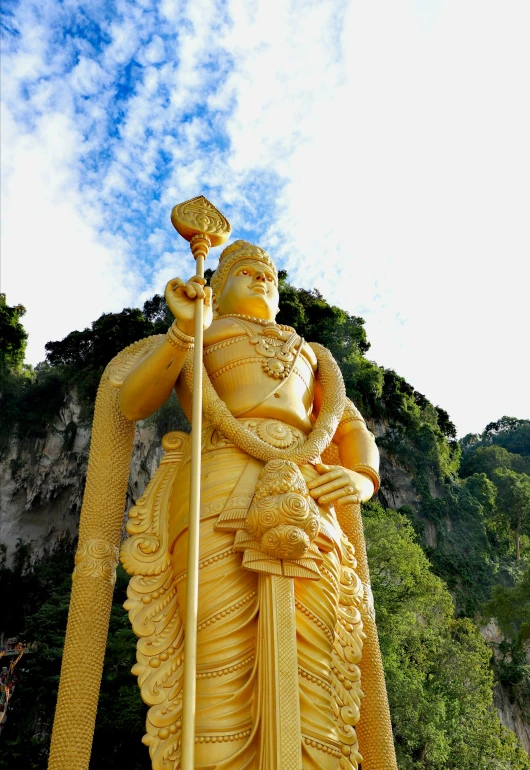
x=181 y=296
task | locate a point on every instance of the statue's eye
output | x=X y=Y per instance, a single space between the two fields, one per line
x=244 y=272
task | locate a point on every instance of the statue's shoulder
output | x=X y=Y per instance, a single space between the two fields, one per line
x=222 y=329
x=310 y=355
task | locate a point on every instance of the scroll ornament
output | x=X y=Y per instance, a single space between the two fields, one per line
x=96 y=558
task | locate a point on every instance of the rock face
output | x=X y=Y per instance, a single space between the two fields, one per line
x=42 y=482
x=507 y=706
x=510 y=715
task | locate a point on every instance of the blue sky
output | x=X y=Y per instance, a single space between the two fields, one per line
x=378 y=150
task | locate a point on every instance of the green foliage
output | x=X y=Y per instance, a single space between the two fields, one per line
x=13 y=337
x=511 y=607
x=82 y=356
x=508 y=432
x=112 y=332
x=464 y=555
x=121 y=713
x=30 y=403
x=31 y=400
x=488 y=459
x=437 y=668
x=317 y=321
x=513 y=498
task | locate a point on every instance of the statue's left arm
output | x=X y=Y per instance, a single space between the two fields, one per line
x=357 y=448
x=356 y=479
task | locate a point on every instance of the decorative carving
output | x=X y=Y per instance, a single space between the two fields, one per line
x=153 y=607
x=278 y=357
x=146 y=552
x=198 y=216
x=281 y=525
x=277 y=434
x=346 y=656
x=96 y=558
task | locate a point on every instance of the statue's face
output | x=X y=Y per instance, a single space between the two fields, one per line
x=250 y=289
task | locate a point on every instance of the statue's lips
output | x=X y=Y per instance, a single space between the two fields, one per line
x=262 y=289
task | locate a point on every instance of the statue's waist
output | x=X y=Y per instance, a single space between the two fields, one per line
x=276 y=433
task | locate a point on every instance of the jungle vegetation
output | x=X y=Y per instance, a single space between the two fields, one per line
x=457 y=559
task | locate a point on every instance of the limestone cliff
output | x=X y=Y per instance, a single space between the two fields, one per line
x=42 y=481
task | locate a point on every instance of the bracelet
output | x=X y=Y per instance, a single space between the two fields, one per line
x=178 y=339
x=372 y=474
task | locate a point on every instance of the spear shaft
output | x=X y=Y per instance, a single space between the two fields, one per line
x=199 y=222
x=192 y=584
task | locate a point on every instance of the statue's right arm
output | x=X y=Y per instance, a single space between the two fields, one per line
x=150 y=383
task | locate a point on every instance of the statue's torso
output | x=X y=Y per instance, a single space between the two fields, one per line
x=242 y=360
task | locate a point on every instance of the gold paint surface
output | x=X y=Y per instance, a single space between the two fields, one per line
x=199 y=216
x=289 y=673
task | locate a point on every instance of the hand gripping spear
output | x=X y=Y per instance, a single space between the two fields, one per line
x=203 y=226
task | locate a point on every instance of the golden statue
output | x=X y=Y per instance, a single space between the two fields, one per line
x=282 y=626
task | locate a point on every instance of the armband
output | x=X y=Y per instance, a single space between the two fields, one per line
x=372 y=474
x=178 y=339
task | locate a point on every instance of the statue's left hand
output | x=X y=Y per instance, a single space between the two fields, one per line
x=337 y=484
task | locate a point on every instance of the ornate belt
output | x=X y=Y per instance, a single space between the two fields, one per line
x=274 y=432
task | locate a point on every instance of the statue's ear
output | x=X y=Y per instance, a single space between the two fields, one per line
x=215 y=308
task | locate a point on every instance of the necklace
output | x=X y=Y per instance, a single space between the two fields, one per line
x=255 y=320
x=278 y=354
x=331 y=410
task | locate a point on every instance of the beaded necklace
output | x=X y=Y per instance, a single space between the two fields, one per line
x=255 y=320
x=278 y=357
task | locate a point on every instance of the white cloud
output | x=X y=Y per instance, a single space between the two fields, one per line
x=155 y=52
x=406 y=163
x=58 y=267
x=394 y=136
x=87 y=77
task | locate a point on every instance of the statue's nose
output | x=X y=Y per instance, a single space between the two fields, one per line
x=260 y=276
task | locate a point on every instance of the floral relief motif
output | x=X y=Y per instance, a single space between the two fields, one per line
x=96 y=558
x=281 y=525
x=346 y=656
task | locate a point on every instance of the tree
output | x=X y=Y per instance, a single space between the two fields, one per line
x=437 y=669
x=487 y=459
x=508 y=432
x=96 y=346
x=13 y=337
x=513 y=434
x=510 y=605
x=513 y=495
x=44 y=591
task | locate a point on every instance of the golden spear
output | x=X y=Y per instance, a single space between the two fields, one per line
x=200 y=223
x=100 y=530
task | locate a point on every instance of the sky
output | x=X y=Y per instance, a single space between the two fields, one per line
x=379 y=150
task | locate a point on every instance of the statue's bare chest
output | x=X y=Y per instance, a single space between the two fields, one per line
x=267 y=371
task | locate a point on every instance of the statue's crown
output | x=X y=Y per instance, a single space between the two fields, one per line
x=236 y=252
